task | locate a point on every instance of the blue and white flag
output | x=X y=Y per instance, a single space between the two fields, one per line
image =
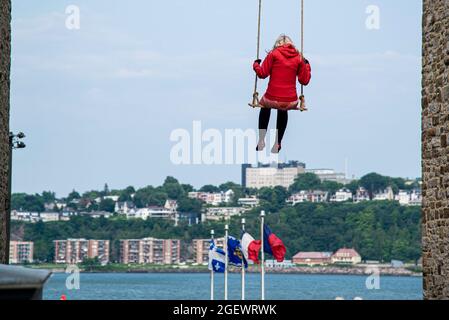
x=235 y=253
x=217 y=258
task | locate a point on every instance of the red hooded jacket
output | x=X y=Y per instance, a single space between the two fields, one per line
x=284 y=64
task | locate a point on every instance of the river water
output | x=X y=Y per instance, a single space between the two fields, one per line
x=188 y=286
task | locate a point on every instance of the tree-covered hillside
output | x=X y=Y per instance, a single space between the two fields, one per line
x=378 y=230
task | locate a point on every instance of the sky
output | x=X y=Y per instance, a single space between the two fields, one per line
x=98 y=104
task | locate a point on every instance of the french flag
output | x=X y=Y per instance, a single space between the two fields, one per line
x=250 y=247
x=273 y=245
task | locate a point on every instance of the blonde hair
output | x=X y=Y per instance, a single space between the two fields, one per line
x=283 y=40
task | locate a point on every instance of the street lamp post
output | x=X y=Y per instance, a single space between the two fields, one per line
x=15 y=142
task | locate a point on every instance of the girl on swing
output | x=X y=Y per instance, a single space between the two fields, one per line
x=284 y=64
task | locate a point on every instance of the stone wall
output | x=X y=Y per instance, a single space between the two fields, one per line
x=435 y=150
x=5 y=62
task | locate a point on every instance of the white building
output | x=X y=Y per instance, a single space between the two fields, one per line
x=416 y=198
x=361 y=195
x=60 y=205
x=250 y=202
x=346 y=256
x=385 y=195
x=213 y=199
x=342 y=195
x=152 y=212
x=171 y=205
x=406 y=198
x=273 y=264
x=218 y=213
x=113 y=198
x=49 y=216
x=97 y=214
x=124 y=207
x=403 y=197
x=330 y=175
x=308 y=196
x=265 y=175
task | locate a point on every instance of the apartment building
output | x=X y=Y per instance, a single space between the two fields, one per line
x=21 y=252
x=72 y=251
x=201 y=247
x=150 y=251
x=271 y=175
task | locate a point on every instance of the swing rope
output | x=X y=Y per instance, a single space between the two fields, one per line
x=302 y=98
x=255 y=102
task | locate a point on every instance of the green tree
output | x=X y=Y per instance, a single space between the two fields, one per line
x=273 y=199
x=107 y=205
x=209 y=188
x=142 y=196
x=74 y=195
x=306 y=181
x=90 y=264
x=331 y=186
x=190 y=205
x=236 y=188
x=25 y=202
x=126 y=195
x=48 y=196
x=374 y=182
x=157 y=198
x=92 y=195
x=106 y=189
x=187 y=188
x=353 y=186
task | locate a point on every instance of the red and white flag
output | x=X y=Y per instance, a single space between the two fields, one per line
x=251 y=248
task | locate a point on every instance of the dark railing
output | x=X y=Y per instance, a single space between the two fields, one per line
x=19 y=283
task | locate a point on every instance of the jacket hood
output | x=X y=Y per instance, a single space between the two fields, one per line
x=288 y=51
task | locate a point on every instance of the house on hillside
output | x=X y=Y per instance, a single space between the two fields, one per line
x=315 y=196
x=361 y=195
x=341 y=195
x=124 y=207
x=385 y=195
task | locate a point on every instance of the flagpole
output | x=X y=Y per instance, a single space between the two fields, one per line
x=243 y=265
x=226 y=263
x=212 y=232
x=262 y=265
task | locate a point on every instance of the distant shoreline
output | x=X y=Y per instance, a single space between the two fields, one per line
x=326 y=270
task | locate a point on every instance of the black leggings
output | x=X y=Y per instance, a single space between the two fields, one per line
x=281 y=124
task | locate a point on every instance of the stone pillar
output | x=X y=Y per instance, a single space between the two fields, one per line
x=435 y=150
x=5 y=62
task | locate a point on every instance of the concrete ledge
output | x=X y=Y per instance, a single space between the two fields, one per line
x=19 y=283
